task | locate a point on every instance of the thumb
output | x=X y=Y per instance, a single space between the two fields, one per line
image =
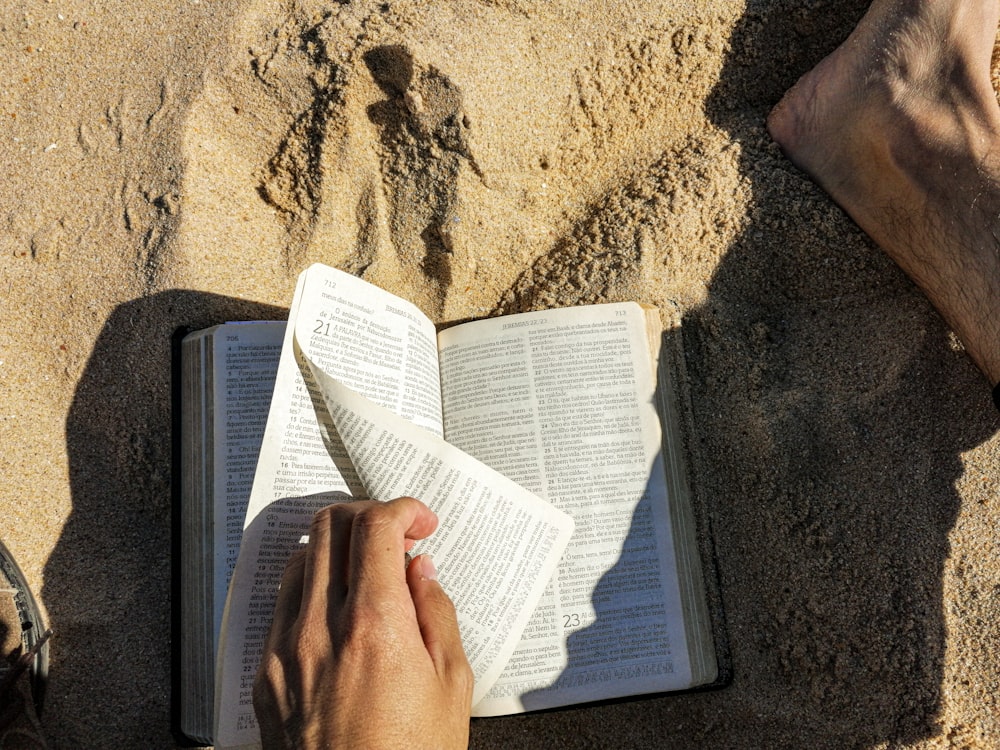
x=438 y=622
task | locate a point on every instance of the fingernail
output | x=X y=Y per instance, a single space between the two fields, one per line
x=427 y=569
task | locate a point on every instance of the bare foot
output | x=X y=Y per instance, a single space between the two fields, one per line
x=900 y=125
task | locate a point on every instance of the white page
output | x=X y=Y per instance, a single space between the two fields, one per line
x=561 y=401
x=497 y=545
x=303 y=465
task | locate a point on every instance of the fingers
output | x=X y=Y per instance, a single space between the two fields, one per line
x=438 y=622
x=349 y=584
x=316 y=577
x=359 y=547
x=328 y=554
x=379 y=540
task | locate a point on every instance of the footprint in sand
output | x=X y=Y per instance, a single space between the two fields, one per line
x=439 y=166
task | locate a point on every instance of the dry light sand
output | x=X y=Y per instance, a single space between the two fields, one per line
x=169 y=164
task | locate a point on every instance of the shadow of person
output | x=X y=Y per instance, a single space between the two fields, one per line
x=831 y=406
x=108 y=581
x=834 y=409
x=630 y=638
x=832 y=423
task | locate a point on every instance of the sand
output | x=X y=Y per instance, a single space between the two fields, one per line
x=178 y=164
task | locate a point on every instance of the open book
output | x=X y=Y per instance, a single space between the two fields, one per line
x=566 y=539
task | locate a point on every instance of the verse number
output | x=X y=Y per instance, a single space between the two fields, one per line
x=572 y=621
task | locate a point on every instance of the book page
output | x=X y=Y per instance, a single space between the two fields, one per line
x=246 y=361
x=497 y=545
x=378 y=344
x=229 y=376
x=561 y=401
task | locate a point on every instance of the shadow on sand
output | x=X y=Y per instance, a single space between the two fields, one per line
x=827 y=465
x=831 y=411
x=108 y=581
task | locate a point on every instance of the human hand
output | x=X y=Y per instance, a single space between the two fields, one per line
x=360 y=653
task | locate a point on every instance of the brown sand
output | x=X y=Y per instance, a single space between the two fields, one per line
x=169 y=164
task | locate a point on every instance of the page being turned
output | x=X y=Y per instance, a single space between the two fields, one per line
x=496 y=546
x=385 y=348
x=561 y=401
